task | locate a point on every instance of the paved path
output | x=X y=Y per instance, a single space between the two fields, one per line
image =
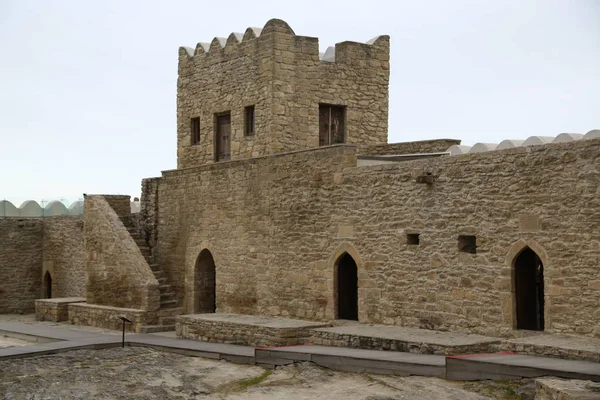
x=496 y=366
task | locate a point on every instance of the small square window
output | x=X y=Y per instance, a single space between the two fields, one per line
x=467 y=244
x=412 y=239
x=195 y=127
x=249 y=121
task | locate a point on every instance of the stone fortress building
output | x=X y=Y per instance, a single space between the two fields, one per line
x=288 y=201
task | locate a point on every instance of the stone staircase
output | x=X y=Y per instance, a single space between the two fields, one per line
x=168 y=302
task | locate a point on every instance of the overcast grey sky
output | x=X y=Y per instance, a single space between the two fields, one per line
x=88 y=89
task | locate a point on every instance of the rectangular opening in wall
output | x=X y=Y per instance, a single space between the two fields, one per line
x=467 y=244
x=412 y=239
x=195 y=127
x=222 y=137
x=331 y=124
x=249 y=121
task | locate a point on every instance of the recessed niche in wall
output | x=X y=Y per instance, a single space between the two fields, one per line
x=412 y=238
x=467 y=244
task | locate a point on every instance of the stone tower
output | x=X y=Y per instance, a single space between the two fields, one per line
x=269 y=91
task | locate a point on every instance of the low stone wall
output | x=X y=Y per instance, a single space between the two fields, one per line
x=248 y=330
x=56 y=310
x=560 y=389
x=108 y=317
x=418 y=147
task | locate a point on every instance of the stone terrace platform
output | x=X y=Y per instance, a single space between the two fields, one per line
x=397 y=338
x=557 y=346
x=247 y=330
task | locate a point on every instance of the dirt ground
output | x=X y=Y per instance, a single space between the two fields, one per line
x=141 y=373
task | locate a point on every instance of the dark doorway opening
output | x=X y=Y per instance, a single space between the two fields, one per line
x=347 y=288
x=529 y=290
x=47 y=285
x=331 y=124
x=205 y=282
x=223 y=137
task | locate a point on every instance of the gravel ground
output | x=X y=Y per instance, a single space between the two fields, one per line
x=141 y=373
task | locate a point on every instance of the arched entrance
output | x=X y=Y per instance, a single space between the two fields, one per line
x=205 y=283
x=47 y=285
x=347 y=288
x=529 y=290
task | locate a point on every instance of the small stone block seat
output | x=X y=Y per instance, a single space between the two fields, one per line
x=56 y=310
x=248 y=330
x=108 y=317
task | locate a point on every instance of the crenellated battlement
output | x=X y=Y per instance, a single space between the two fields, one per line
x=284 y=79
x=232 y=42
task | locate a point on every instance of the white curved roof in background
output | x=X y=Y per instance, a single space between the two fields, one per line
x=530 y=141
x=509 y=144
x=329 y=54
x=55 y=207
x=537 y=140
x=482 y=147
x=593 y=134
x=30 y=208
x=456 y=149
x=76 y=208
x=567 y=137
x=7 y=209
x=135 y=207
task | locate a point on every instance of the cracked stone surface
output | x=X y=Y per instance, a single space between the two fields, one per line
x=142 y=373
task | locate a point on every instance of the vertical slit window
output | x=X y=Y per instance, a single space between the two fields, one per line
x=249 y=121
x=195 y=126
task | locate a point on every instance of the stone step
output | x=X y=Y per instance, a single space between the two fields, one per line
x=162 y=280
x=168 y=303
x=156 y=328
x=167 y=295
x=164 y=287
x=159 y=275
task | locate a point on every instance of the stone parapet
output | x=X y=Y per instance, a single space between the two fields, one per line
x=56 y=310
x=248 y=330
x=418 y=147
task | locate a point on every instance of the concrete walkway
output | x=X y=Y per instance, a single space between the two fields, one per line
x=57 y=339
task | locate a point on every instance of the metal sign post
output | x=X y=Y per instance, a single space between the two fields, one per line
x=125 y=321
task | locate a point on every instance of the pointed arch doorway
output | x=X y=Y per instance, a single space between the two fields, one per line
x=529 y=290
x=205 y=283
x=347 y=288
x=47 y=285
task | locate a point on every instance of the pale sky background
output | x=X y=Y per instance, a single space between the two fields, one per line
x=88 y=89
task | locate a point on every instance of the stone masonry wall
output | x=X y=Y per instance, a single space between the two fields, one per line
x=64 y=255
x=228 y=208
x=276 y=226
x=280 y=74
x=120 y=203
x=418 y=147
x=20 y=264
x=117 y=273
x=148 y=215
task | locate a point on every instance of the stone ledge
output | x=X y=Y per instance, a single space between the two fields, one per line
x=248 y=330
x=56 y=310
